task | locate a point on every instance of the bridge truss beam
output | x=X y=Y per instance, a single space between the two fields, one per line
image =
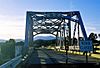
x=52 y=23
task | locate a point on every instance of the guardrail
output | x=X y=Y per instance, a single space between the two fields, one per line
x=12 y=63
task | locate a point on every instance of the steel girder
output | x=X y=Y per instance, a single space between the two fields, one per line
x=50 y=22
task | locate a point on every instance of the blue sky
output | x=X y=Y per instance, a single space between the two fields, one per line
x=13 y=14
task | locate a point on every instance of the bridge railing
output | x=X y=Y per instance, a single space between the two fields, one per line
x=12 y=63
x=96 y=48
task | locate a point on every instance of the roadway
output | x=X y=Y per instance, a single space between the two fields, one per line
x=48 y=56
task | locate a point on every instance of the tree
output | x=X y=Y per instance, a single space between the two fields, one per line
x=8 y=49
x=99 y=35
x=93 y=37
x=31 y=43
x=11 y=43
x=21 y=43
x=11 y=40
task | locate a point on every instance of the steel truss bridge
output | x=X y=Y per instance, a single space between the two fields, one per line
x=56 y=23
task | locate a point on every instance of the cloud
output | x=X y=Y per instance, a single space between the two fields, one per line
x=91 y=28
x=11 y=18
x=12 y=27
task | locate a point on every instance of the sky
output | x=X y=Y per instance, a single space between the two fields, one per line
x=13 y=14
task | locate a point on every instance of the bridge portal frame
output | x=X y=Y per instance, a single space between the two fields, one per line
x=32 y=17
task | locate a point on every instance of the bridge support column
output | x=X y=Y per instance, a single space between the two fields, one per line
x=28 y=33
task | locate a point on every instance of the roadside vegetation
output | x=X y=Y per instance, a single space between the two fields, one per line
x=7 y=50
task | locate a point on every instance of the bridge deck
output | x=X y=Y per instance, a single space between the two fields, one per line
x=47 y=56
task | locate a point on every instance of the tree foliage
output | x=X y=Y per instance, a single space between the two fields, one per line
x=44 y=42
x=21 y=43
x=93 y=37
x=8 y=50
x=99 y=35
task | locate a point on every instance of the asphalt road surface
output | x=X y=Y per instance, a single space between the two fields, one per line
x=47 y=56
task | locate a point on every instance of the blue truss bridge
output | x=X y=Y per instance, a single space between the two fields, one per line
x=66 y=42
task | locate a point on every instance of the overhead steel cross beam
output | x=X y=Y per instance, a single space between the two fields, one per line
x=49 y=22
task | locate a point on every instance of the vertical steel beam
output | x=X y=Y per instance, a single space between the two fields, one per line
x=64 y=37
x=74 y=33
x=60 y=38
x=78 y=35
x=65 y=43
x=57 y=39
x=69 y=32
x=26 y=34
x=30 y=30
x=26 y=29
x=82 y=26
